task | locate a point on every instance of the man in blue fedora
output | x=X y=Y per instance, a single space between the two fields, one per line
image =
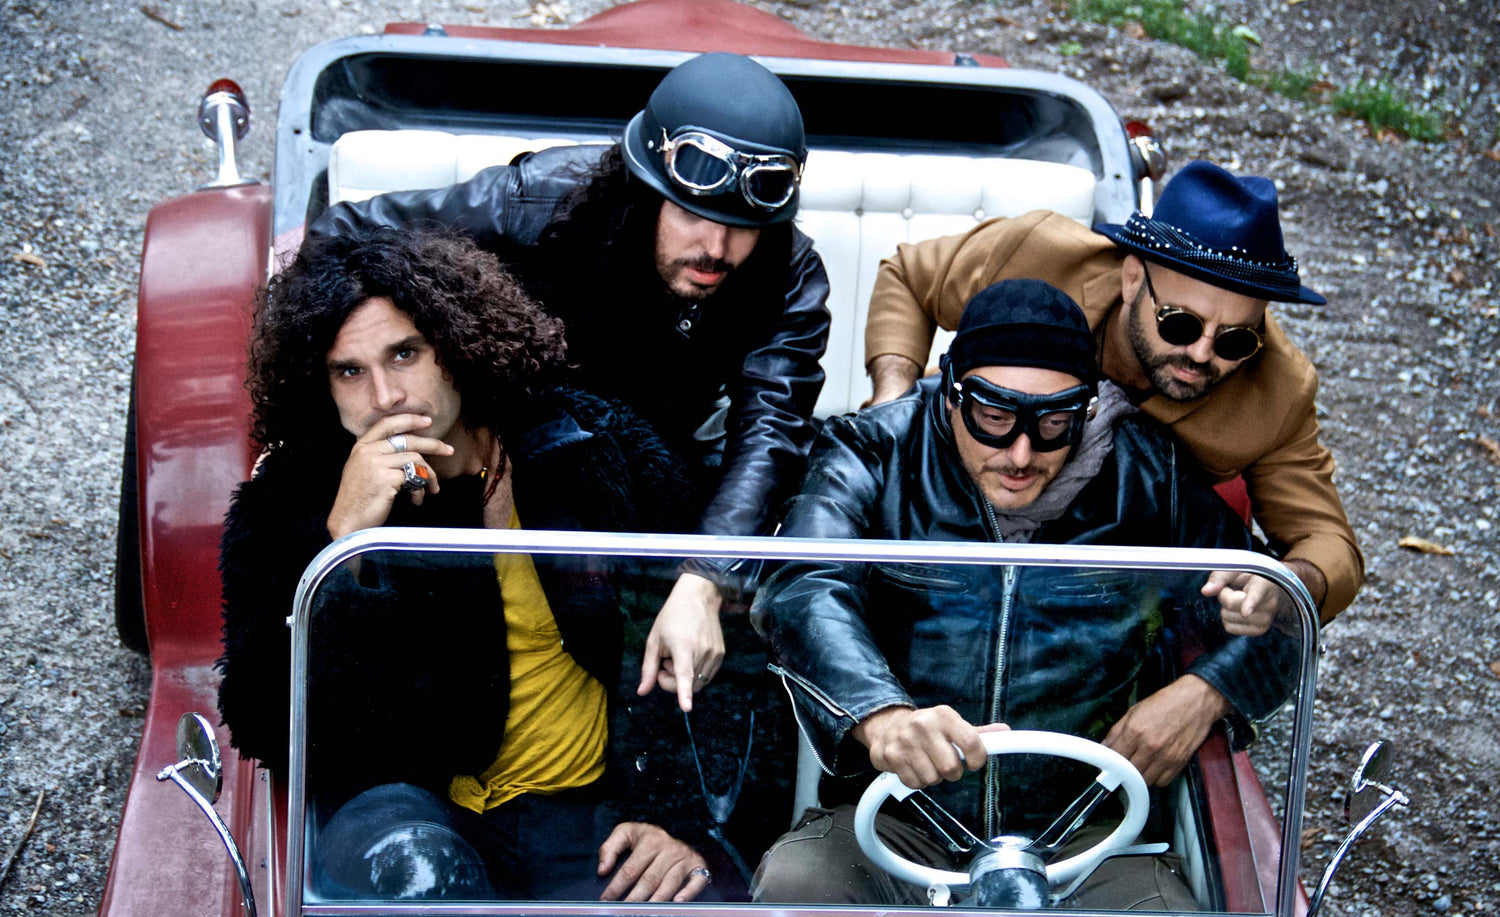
x=1177 y=302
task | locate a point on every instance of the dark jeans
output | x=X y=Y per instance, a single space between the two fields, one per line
x=399 y=841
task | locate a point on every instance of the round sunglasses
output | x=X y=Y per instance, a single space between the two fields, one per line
x=1181 y=328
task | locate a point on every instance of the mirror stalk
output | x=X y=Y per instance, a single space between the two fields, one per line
x=198 y=773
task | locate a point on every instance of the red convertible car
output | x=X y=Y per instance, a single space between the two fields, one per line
x=412 y=108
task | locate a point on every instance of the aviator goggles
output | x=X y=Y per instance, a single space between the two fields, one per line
x=1181 y=328
x=996 y=416
x=702 y=164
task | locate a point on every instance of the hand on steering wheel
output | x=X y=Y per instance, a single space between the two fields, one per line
x=1114 y=772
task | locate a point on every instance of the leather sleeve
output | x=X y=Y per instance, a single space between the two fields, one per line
x=812 y=614
x=769 y=426
x=500 y=206
x=926 y=285
x=1255 y=674
x=476 y=207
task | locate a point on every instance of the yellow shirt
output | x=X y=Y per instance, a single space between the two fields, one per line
x=556 y=732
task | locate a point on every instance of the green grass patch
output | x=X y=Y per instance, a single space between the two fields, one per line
x=1382 y=107
x=1205 y=35
x=1297 y=85
x=1376 y=103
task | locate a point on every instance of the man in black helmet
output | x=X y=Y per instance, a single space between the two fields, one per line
x=686 y=292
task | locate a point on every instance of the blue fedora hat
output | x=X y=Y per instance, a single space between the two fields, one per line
x=1220 y=229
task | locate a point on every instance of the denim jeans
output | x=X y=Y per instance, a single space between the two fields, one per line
x=399 y=841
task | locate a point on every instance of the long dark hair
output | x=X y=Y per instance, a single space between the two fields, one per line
x=604 y=242
x=492 y=339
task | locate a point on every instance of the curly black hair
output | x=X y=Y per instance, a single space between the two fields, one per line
x=489 y=336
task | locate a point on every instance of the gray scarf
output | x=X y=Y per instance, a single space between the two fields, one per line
x=1020 y=525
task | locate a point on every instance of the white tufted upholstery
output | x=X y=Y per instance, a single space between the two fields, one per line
x=856 y=206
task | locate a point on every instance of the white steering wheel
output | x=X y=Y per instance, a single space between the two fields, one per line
x=1114 y=771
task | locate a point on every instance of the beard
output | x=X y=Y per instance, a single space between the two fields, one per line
x=678 y=288
x=1158 y=366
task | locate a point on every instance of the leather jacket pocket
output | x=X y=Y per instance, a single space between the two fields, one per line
x=926 y=577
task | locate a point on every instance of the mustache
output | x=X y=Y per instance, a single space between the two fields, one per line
x=1014 y=471
x=1209 y=372
x=706 y=263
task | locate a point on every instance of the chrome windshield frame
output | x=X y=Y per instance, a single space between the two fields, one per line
x=493 y=541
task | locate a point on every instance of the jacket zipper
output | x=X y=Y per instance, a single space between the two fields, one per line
x=991 y=774
x=788 y=678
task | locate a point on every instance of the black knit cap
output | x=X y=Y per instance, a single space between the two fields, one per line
x=1024 y=323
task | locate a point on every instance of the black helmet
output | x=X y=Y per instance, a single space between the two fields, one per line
x=722 y=138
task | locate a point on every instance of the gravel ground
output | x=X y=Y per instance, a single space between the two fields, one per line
x=96 y=106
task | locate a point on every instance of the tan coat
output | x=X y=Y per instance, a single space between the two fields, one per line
x=1259 y=422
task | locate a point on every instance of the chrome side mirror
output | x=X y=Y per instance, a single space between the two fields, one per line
x=1372 y=774
x=224 y=116
x=200 y=773
x=198 y=756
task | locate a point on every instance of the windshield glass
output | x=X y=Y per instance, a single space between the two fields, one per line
x=472 y=729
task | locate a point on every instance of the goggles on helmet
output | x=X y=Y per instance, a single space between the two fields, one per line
x=702 y=164
x=996 y=416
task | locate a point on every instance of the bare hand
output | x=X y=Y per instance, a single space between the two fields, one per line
x=373 y=476
x=1160 y=733
x=659 y=867
x=1248 y=604
x=891 y=375
x=924 y=746
x=686 y=645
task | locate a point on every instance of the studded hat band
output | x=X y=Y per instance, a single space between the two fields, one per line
x=1154 y=235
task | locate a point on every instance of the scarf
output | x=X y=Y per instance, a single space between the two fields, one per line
x=1020 y=525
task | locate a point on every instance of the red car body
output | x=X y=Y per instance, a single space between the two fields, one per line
x=205 y=254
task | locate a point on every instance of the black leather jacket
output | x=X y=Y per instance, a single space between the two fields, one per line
x=767 y=365
x=1063 y=649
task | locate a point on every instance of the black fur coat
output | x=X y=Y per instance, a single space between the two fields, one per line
x=409 y=672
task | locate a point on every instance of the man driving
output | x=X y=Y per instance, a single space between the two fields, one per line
x=902 y=668
x=1178 y=304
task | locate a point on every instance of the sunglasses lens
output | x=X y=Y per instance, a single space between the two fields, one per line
x=770 y=187
x=1179 y=328
x=1236 y=343
x=696 y=169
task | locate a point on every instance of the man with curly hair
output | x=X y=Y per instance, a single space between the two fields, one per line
x=458 y=717
x=687 y=294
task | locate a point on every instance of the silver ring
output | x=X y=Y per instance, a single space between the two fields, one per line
x=416 y=478
x=701 y=871
x=697 y=676
x=397 y=441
